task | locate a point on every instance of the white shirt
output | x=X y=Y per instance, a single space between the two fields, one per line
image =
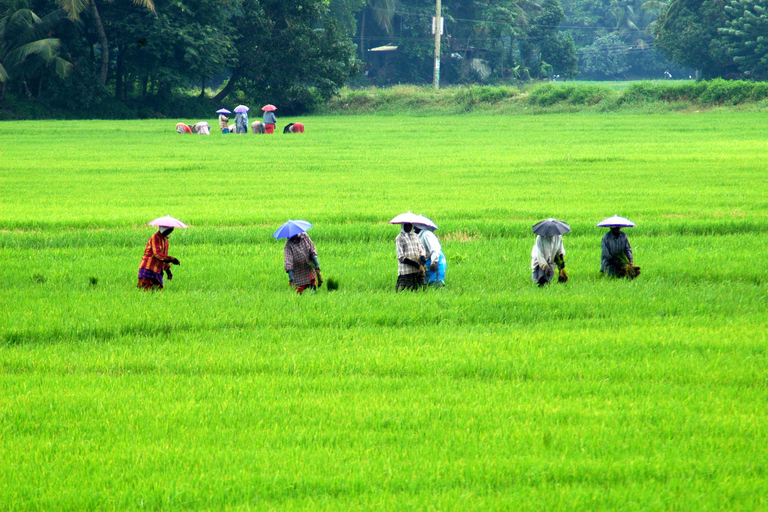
x=431 y=245
x=545 y=250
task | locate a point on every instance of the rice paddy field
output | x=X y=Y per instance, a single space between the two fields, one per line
x=227 y=391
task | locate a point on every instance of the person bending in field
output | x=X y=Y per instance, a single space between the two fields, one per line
x=435 y=273
x=548 y=252
x=410 y=259
x=616 y=257
x=156 y=261
x=223 y=123
x=301 y=264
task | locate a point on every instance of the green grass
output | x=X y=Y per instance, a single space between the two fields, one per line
x=228 y=392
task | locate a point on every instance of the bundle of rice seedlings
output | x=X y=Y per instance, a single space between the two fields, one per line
x=332 y=284
x=562 y=275
x=626 y=269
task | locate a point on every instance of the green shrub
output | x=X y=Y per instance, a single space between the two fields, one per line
x=646 y=92
x=573 y=94
x=489 y=94
x=722 y=92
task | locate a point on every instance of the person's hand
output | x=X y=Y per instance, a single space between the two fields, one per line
x=319 y=279
x=290 y=283
x=433 y=266
x=168 y=273
x=175 y=261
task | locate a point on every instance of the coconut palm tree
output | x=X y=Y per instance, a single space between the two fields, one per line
x=75 y=8
x=383 y=13
x=25 y=53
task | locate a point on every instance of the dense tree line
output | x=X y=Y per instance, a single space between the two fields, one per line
x=300 y=52
x=84 y=52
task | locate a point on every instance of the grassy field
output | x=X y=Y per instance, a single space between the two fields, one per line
x=226 y=391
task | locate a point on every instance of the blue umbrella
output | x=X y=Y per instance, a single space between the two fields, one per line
x=291 y=228
x=223 y=111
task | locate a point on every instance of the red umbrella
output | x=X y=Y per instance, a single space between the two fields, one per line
x=269 y=108
x=167 y=222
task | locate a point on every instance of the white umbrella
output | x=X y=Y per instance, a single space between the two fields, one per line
x=426 y=223
x=616 y=221
x=167 y=222
x=407 y=218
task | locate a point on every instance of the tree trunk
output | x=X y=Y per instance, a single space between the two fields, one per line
x=202 y=89
x=103 y=41
x=362 y=36
x=227 y=88
x=119 y=79
x=144 y=83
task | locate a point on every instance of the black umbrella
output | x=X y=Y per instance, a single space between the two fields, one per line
x=551 y=227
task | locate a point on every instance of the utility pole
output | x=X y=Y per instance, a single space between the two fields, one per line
x=438 y=26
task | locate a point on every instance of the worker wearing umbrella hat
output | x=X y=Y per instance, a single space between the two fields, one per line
x=548 y=251
x=410 y=253
x=435 y=259
x=223 y=120
x=300 y=256
x=616 y=257
x=241 y=118
x=269 y=118
x=156 y=260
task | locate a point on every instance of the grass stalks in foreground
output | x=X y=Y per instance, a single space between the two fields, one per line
x=229 y=392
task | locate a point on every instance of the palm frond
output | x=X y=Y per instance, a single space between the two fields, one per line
x=61 y=67
x=74 y=8
x=653 y=5
x=149 y=4
x=22 y=20
x=46 y=49
x=4 y=76
x=383 y=12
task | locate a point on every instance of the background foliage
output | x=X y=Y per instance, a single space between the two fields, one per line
x=145 y=59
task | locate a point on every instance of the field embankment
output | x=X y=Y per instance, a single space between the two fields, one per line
x=554 y=97
x=648 y=97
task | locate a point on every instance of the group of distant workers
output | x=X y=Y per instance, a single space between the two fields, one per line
x=241 y=123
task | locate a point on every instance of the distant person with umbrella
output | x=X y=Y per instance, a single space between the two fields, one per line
x=410 y=253
x=435 y=259
x=223 y=120
x=548 y=251
x=616 y=254
x=156 y=260
x=269 y=118
x=241 y=118
x=300 y=256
